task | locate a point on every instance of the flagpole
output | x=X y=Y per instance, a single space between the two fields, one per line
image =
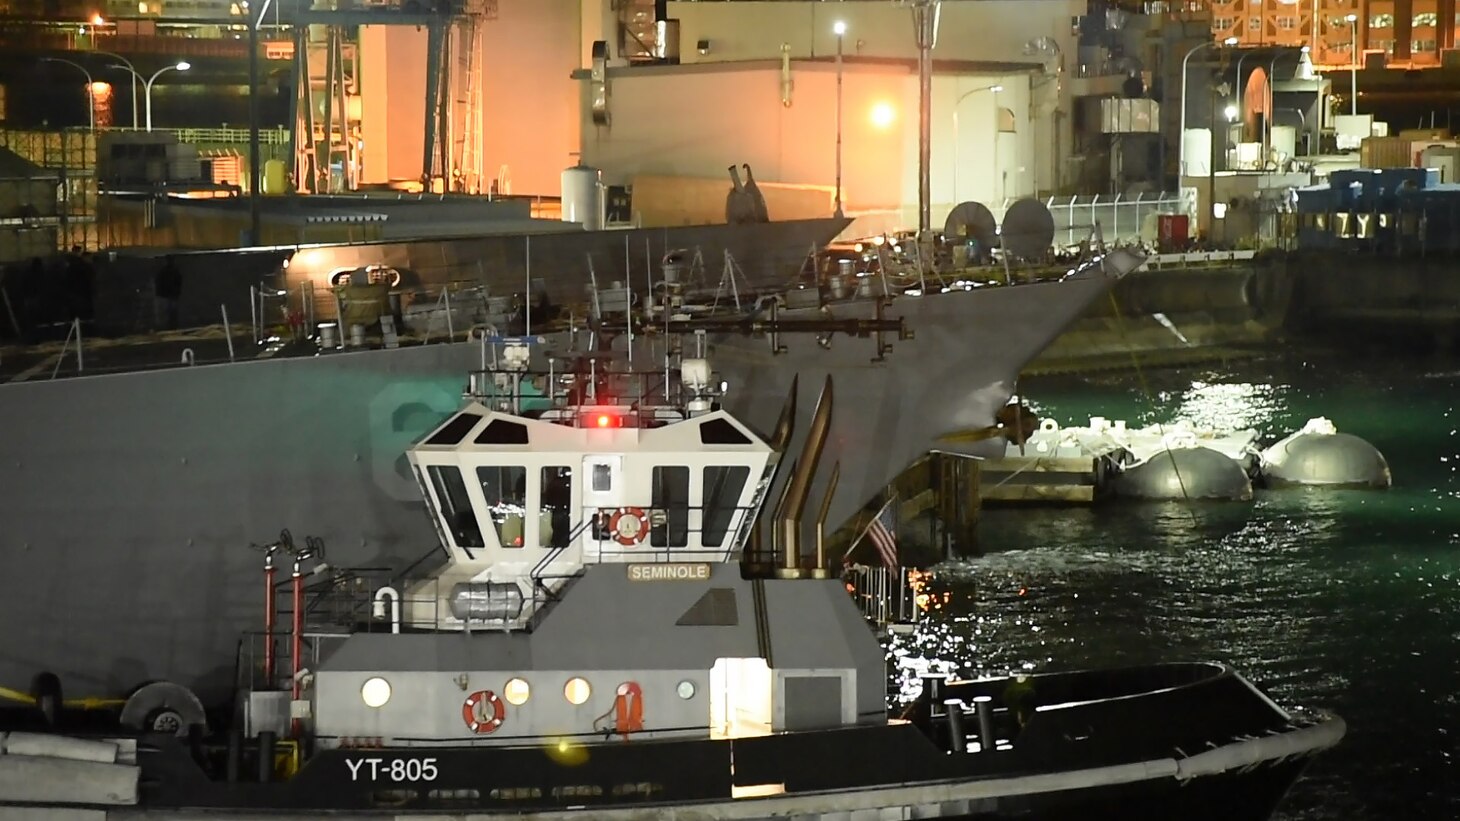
x=865 y=530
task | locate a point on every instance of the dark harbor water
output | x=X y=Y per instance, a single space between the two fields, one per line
x=1341 y=600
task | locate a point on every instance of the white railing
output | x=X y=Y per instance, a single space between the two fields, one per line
x=1121 y=217
x=222 y=136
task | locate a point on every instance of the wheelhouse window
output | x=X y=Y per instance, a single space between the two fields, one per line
x=671 y=496
x=454 y=431
x=723 y=486
x=505 y=489
x=461 y=520
x=557 y=501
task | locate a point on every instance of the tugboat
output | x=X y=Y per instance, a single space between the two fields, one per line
x=608 y=636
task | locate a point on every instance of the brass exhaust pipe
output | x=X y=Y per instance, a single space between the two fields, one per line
x=823 y=568
x=777 y=542
x=786 y=425
x=779 y=439
x=799 y=485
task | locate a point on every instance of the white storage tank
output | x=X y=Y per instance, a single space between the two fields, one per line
x=1197 y=150
x=583 y=197
x=1285 y=141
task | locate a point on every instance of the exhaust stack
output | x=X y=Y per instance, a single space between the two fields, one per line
x=822 y=570
x=779 y=547
x=788 y=520
x=779 y=439
x=786 y=425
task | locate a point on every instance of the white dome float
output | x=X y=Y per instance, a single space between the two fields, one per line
x=1175 y=461
x=1320 y=455
x=1184 y=470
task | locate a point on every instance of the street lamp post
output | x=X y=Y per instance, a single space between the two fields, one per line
x=841 y=29
x=965 y=95
x=1181 y=137
x=1353 y=55
x=1241 y=103
x=90 y=88
x=147 y=86
x=127 y=65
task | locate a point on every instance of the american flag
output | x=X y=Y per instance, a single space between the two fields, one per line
x=883 y=533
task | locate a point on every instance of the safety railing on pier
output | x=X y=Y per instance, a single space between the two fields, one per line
x=1121 y=217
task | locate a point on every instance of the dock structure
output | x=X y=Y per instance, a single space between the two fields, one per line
x=1036 y=477
x=1087 y=463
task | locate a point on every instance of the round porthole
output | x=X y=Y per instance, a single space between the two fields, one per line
x=686 y=690
x=516 y=691
x=576 y=691
x=375 y=692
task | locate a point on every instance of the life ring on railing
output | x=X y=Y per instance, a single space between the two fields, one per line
x=628 y=526
x=474 y=712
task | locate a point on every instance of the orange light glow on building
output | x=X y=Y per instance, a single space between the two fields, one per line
x=101 y=103
x=96 y=20
x=1342 y=33
x=883 y=115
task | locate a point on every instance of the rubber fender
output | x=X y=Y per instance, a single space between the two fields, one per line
x=46 y=690
x=163 y=706
x=32 y=779
x=47 y=745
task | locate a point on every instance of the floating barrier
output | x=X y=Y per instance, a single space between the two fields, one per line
x=1174 y=461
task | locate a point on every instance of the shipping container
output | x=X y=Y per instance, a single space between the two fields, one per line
x=1385 y=152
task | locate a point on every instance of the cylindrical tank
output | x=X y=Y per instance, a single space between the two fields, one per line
x=1196 y=146
x=583 y=199
x=486 y=601
x=1285 y=141
x=276 y=178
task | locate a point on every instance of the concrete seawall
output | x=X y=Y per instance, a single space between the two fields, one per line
x=1176 y=316
x=1186 y=315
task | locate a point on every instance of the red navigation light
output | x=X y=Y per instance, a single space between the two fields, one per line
x=604 y=420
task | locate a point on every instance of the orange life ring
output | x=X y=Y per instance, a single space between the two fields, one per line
x=472 y=712
x=629 y=525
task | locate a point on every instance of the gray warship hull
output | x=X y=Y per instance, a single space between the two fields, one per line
x=131 y=499
x=558 y=263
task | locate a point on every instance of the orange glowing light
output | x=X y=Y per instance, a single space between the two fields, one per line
x=883 y=115
x=96 y=20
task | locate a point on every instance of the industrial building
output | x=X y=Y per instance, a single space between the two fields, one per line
x=1080 y=103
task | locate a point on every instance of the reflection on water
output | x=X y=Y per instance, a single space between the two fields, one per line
x=1344 y=600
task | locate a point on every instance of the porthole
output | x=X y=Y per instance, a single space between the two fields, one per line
x=576 y=691
x=516 y=691
x=375 y=692
x=686 y=689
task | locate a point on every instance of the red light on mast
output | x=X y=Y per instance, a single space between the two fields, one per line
x=604 y=420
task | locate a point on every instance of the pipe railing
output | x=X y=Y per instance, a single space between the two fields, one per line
x=1121 y=217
